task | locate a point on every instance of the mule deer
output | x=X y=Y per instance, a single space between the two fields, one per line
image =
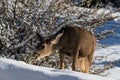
x=72 y=41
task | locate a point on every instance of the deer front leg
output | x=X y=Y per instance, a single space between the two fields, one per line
x=74 y=62
x=61 y=61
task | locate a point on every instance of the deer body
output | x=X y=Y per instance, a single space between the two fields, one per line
x=75 y=42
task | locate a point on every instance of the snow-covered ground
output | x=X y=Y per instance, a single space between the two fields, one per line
x=18 y=70
x=111 y=57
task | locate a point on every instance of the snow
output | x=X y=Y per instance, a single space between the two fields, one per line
x=114 y=73
x=110 y=54
x=18 y=70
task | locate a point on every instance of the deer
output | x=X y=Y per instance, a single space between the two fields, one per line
x=76 y=42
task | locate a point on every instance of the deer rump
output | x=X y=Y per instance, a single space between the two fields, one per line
x=72 y=41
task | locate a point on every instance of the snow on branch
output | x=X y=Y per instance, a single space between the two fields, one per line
x=22 y=43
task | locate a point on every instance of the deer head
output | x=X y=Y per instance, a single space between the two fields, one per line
x=45 y=48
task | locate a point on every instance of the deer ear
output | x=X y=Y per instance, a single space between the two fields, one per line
x=56 y=40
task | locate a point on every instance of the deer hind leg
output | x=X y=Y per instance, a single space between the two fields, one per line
x=74 y=61
x=83 y=64
x=90 y=59
x=61 y=60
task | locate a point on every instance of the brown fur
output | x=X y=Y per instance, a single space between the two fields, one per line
x=72 y=41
